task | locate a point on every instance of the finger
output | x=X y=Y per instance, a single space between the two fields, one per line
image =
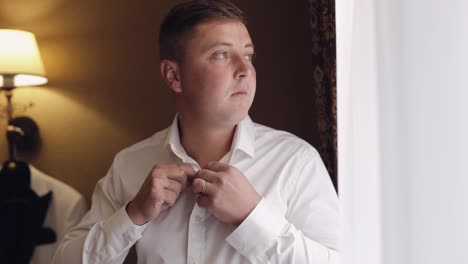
x=166 y=171
x=190 y=172
x=200 y=185
x=163 y=182
x=207 y=175
x=203 y=201
x=170 y=197
x=180 y=173
x=174 y=186
x=216 y=166
x=188 y=169
x=157 y=193
x=159 y=202
x=164 y=207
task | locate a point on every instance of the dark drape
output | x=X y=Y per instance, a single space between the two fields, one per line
x=322 y=23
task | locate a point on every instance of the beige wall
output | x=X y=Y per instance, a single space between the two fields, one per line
x=104 y=90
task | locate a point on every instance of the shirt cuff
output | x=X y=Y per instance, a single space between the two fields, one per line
x=119 y=226
x=265 y=223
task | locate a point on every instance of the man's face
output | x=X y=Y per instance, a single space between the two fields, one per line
x=217 y=77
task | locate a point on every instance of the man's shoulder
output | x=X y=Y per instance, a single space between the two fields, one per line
x=270 y=137
x=149 y=145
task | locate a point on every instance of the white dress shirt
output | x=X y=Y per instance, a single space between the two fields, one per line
x=65 y=211
x=297 y=220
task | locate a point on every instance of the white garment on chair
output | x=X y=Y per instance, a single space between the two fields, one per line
x=66 y=209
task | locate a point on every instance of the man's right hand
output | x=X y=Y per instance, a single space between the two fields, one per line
x=159 y=191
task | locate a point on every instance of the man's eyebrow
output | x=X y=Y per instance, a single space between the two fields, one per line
x=226 y=44
x=250 y=45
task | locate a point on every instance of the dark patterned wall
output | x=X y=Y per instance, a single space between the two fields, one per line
x=322 y=23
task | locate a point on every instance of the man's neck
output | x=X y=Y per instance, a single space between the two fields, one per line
x=205 y=144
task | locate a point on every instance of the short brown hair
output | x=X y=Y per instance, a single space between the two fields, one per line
x=179 y=23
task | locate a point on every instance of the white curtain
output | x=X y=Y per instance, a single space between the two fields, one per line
x=402 y=99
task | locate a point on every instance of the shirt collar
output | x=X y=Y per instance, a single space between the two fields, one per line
x=244 y=138
x=173 y=140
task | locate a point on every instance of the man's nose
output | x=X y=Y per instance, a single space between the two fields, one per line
x=243 y=68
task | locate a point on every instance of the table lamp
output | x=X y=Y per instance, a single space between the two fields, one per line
x=20 y=63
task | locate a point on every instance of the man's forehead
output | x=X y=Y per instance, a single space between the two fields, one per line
x=222 y=32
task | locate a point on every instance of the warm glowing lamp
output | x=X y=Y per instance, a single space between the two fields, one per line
x=20 y=62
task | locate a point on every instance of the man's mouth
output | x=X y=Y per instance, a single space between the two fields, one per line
x=242 y=92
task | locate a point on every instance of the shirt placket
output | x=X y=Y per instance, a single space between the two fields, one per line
x=196 y=236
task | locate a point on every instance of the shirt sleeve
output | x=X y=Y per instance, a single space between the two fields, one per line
x=75 y=213
x=106 y=233
x=308 y=233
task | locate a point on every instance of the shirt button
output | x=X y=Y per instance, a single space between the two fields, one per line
x=198 y=218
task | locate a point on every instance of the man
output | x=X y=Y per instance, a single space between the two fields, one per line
x=214 y=187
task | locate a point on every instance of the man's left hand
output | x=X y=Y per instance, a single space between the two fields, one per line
x=225 y=192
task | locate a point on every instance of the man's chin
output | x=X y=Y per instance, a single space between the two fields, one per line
x=233 y=119
x=238 y=118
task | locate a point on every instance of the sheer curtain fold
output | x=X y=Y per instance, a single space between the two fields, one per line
x=401 y=100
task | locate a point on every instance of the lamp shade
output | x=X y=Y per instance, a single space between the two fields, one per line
x=20 y=61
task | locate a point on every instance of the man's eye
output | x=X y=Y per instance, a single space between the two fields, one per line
x=221 y=55
x=249 y=57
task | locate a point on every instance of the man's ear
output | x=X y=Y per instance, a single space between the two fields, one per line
x=171 y=75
